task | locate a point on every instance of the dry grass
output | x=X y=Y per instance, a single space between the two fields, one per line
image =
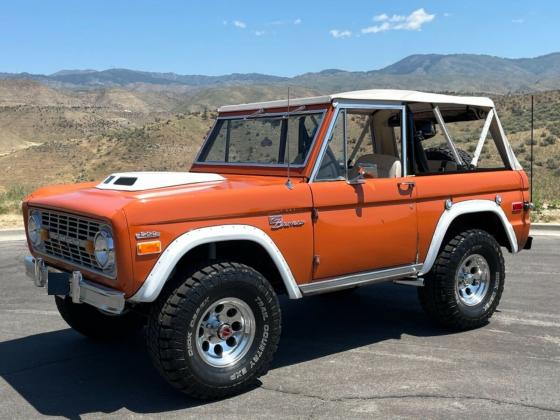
x=11 y=198
x=11 y=221
x=10 y=207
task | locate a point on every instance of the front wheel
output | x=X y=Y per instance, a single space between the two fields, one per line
x=465 y=285
x=215 y=332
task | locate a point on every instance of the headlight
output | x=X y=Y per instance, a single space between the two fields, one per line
x=104 y=248
x=34 y=228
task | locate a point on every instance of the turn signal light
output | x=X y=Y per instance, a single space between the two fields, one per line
x=44 y=234
x=147 y=248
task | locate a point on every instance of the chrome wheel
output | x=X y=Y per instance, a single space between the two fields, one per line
x=473 y=278
x=225 y=332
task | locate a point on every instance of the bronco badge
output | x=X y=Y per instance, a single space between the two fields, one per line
x=277 y=222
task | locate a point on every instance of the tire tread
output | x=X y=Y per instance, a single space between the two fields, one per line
x=168 y=354
x=437 y=297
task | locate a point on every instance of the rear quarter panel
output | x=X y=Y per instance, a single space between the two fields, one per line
x=434 y=190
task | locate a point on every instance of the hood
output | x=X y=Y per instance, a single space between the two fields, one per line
x=115 y=192
x=191 y=196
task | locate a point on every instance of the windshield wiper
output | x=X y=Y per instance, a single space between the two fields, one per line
x=288 y=113
x=254 y=114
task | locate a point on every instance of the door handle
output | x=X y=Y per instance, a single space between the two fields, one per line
x=410 y=184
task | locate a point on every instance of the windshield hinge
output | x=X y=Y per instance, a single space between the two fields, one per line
x=316 y=261
x=314 y=214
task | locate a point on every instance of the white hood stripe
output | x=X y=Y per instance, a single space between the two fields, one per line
x=140 y=181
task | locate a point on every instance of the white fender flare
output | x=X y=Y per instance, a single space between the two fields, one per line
x=180 y=246
x=457 y=209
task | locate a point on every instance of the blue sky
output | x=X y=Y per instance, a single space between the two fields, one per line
x=282 y=38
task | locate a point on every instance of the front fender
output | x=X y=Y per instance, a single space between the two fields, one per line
x=164 y=266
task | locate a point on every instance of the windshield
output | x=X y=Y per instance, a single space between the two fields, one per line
x=272 y=140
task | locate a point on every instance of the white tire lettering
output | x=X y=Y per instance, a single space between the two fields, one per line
x=262 y=307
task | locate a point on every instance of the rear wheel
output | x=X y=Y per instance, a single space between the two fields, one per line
x=95 y=324
x=214 y=333
x=466 y=282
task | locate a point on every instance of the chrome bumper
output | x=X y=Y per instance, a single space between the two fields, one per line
x=73 y=285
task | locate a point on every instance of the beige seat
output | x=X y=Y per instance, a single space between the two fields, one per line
x=387 y=166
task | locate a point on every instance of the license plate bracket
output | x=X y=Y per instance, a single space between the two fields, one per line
x=58 y=284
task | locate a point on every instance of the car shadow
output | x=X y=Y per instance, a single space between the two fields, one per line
x=60 y=373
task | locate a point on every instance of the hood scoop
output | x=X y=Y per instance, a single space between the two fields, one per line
x=140 y=181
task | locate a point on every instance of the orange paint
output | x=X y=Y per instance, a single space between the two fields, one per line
x=363 y=227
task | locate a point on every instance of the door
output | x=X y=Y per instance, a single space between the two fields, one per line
x=364 y=204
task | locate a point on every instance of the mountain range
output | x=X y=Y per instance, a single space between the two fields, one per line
x=454 y=72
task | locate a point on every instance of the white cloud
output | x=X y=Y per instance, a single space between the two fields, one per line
x=412 y=22
x=239 y=24
x=385 y=26
x=446 y=14
x=336 y=33
x=297 y=21
x=259 y=33
x=520 y=20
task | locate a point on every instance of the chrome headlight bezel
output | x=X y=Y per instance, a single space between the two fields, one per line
x=104 y=248
x=34 y=226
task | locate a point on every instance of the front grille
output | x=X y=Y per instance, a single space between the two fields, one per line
x=70 y=239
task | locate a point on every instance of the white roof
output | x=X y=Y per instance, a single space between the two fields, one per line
x=383 y=95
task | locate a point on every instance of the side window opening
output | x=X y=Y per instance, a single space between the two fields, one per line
x=363 y=139
x=470 y=134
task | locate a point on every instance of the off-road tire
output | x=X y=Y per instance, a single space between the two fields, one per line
x=440 y=296
x=174 y=322
x=444 y=154
x=95 y=324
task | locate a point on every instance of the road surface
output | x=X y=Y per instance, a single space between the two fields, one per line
x=371 y=353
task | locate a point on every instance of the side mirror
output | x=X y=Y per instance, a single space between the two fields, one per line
x=365 y=171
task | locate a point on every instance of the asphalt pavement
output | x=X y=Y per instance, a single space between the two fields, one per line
x=367 y=354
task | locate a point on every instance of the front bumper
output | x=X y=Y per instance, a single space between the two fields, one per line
x=74 y=286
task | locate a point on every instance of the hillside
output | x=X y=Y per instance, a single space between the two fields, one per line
x=162 y=144
x=436 y=72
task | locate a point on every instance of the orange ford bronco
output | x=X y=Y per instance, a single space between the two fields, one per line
x=298 y=197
